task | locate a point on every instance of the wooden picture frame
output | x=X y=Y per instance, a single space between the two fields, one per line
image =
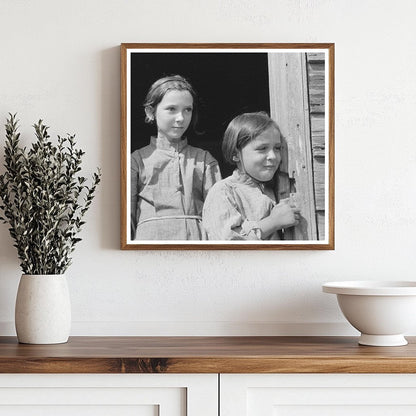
x=298 y=83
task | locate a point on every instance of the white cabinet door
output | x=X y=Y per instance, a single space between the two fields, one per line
x=109 y=395
x=318 y=394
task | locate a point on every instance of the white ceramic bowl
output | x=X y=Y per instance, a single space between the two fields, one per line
x=381 y=311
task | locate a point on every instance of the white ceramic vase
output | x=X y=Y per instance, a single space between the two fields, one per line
x=43 y=309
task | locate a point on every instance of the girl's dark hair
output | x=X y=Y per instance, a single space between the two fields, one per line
x=241 y=130
x=158 y=90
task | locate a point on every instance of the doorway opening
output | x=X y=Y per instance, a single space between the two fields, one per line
x=227 y=84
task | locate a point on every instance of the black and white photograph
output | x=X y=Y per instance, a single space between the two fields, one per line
x=227 y=146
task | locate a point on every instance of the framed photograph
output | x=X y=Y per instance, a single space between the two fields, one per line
x=227 y=146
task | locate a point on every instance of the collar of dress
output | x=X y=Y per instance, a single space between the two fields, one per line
x=242 y=177
x=164 y=144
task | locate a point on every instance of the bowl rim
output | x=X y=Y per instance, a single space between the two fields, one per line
x=371 y=288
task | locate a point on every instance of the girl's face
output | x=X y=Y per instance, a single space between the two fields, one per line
x=260 y=158
x=173 y=114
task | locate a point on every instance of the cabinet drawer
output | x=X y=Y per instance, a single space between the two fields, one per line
x=108 y=394
x=317 y=394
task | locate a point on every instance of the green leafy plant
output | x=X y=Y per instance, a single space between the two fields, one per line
x=44 y=198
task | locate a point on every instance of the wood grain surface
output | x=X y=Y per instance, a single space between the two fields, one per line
x=206 y=355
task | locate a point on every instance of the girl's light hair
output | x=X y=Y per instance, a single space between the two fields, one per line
x=242 y=130
x=158 y=90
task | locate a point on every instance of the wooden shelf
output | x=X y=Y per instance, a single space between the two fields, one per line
x=206 y=355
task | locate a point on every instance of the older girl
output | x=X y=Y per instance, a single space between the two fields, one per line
x=170 y=178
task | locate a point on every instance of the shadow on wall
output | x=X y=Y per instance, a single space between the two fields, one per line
x=109 y=104
x=280 y=315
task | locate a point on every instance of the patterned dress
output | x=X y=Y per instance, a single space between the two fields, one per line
x=169 y=184
x=234 y=206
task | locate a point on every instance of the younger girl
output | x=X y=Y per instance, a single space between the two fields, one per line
x=169 y=178
x=243 y=206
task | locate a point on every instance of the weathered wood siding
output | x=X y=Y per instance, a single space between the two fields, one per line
x=316 y=89
x=289 y=106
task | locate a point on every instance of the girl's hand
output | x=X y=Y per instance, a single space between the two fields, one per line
x=285 y=214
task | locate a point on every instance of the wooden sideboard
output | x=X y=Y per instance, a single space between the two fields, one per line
x=206 y=376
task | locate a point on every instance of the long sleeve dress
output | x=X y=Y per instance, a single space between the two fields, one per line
x=169 y=184
x=234 y=206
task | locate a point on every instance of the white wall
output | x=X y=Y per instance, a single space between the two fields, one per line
x=60 y=62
